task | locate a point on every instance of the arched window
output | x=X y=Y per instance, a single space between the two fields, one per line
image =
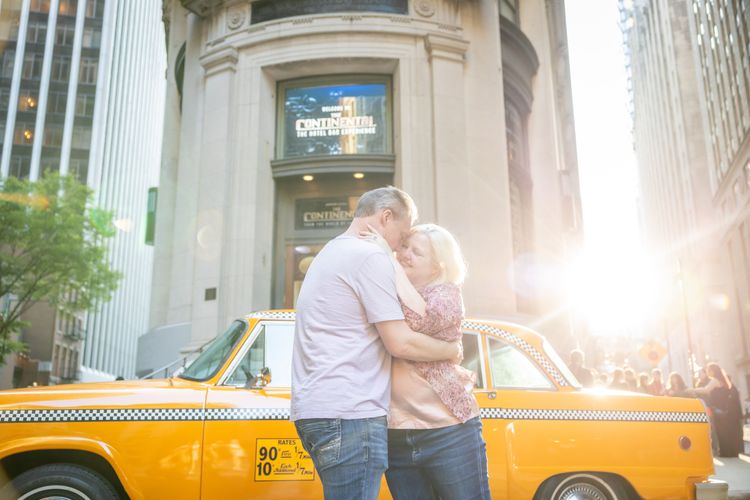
x=179 y=71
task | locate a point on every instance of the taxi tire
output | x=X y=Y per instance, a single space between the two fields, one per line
x=608 y=486
x=72 y=481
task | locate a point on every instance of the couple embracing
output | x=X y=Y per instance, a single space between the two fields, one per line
x=376 y=384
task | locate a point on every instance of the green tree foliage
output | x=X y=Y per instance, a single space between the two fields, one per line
x=52 y=249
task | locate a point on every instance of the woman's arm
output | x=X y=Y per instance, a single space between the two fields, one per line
x=705 y=390
x=444 y=309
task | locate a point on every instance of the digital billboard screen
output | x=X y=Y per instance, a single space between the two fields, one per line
x=335 y=120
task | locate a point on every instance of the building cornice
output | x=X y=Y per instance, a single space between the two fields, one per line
x=201 y=8
x=441 y=47
x=220 y=60
x=374 y=163
x=447 y=39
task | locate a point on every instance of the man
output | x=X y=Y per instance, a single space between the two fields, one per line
x=583 y=374
x=349 y=324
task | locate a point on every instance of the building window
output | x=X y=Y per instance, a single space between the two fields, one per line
x=84 y=105
x=94 y=8
x=20 y=166
x=13 y=33
x=87 y=73
x=179 y=71
x=151 y=216
x=520 y=194
x=79 y=168
x=53 y=135
x=65 y=34
x=24 y=134
x=68 y=7
x=40 y=6
x=50 y=164
x=509 y=10
x=4 y=99
x=81 y=137
x=92 y=38
x=8 y=61
x=60 y=69
x=32 y=66
x=56 y=103
x=36 y=32
x=27 y=102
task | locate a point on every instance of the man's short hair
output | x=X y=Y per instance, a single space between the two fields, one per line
x=389 y=197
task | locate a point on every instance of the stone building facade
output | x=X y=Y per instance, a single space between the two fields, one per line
x=281 y=113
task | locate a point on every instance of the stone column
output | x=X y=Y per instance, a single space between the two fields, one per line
x=470 y=174
x=214 y=176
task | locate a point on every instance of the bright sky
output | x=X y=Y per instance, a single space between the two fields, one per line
x=607 y=281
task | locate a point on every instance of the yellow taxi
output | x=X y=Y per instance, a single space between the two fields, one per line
x=220 y=429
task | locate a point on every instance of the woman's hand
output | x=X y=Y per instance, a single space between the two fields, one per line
x=377 y=238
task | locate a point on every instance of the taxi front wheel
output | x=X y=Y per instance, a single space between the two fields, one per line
x=582 y=486
x=59 y=481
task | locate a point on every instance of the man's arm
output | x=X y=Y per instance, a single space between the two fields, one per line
x=404 y=343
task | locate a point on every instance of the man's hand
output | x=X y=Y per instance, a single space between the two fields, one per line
x=404 y=343
x=459 y=352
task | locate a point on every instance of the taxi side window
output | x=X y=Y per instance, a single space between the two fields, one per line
x=270 y=356
x=511 y=368
x=473 y=357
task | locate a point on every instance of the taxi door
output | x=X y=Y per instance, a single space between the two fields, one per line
x=251 y=449
x=518 y=388
x=493 y=430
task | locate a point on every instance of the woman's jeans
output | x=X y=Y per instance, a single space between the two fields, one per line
x=349 y=455
x=449 y=463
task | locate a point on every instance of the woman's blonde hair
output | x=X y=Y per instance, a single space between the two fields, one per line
x=445 y=251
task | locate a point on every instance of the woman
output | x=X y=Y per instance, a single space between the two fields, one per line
x=618 y=380
x=435 y=444
x=723 y=399
x=656 y=387
x=676 y=385
x=643 y=382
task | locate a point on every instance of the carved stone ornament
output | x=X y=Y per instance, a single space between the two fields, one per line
x=235 y=18
x=425 y=8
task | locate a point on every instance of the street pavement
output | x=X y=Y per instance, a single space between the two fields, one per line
x=736 y=471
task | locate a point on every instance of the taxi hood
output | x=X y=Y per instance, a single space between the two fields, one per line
x=173 y=392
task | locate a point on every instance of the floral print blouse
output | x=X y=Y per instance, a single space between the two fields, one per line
x=442 y=320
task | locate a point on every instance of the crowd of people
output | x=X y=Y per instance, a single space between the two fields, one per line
x=711 y=384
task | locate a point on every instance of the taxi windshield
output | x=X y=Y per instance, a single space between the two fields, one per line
x=208 y=363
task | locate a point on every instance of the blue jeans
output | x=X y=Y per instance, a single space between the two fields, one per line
x=349 y=455
x=448 y=463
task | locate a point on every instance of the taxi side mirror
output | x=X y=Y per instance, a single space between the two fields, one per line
x=260 y=380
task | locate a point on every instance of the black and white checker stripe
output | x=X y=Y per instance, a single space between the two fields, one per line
x=247 y=414
x=142 y=415
x=286 y=315
x=101 y=415
x=593 y=415
x=540 y=358
x=238 y=414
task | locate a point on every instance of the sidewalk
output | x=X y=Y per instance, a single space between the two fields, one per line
x=736 y=471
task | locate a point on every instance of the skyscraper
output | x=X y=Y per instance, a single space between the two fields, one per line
x=82 y=92
x=690 y=65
